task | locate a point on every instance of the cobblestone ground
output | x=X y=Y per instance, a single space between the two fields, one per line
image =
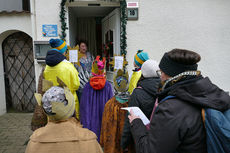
x=14 y=132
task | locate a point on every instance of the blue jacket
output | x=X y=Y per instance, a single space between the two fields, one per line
x=217 y=126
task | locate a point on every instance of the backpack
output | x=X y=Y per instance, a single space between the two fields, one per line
x=217 y=125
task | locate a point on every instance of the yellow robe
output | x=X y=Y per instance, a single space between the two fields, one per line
x=68 y=74
x=133 y=81
x=63 y=137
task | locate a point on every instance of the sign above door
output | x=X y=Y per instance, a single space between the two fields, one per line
x=132 y=10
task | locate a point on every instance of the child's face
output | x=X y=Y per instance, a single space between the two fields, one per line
x=134 y=64
x=164 y=76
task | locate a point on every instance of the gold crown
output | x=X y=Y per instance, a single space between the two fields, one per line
x=98 y=66
x=121 y=85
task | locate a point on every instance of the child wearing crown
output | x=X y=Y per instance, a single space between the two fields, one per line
x=94 y=97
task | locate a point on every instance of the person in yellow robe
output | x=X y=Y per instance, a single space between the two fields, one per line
x=139 y=58
x=58 y=66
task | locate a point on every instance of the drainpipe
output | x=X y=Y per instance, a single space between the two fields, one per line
x=33 y=19
x=34 y=38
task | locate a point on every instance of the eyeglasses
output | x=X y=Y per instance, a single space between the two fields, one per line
x=158 y=73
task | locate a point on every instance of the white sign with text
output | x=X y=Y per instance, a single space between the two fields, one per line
x=119 y=60
x=73 y=55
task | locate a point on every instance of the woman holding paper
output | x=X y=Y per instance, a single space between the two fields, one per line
x=84 y=70
x=87 y=59
x=176 y=125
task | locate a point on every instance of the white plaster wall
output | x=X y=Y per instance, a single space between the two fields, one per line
x=46 y=13
x=38 y=67
x=8 y=25
x=20 y=22
x=199 y=25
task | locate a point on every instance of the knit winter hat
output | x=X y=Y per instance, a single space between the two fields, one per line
x=149 y=69
x=58 y=44
x=140 y=57
x=172 y=68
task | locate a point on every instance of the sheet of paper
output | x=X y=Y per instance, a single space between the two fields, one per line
x=73 y=55
x=137 y=111
x=118 y=62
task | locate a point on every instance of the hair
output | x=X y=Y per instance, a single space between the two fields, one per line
x=184 y=56
x=83 y=41
x=141 y=78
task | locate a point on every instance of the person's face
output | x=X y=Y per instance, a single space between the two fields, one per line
x=83 y=48
x=134 y=64
x=164 y=76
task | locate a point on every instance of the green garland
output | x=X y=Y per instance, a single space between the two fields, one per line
x=124 y=18
x=63 y=19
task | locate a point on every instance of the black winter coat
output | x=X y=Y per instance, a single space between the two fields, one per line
x=177 y=124
x=144 y=97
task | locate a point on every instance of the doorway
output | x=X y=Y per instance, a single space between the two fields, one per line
x=19 y=72
x=100 y=27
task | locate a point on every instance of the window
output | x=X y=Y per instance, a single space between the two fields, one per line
x=14 y=5
x=26 y=5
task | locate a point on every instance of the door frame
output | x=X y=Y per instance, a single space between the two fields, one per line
x=3 y=36
x=93 y=3
x=116 y=49
x=32 y=67
x=85 y=4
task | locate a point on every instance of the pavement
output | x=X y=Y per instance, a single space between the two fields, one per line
x=14 y=132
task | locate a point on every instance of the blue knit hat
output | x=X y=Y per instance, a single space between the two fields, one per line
x=140 y=57
x=58 y=44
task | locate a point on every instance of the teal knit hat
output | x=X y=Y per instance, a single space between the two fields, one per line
x=58 y=44
x=140 y=57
